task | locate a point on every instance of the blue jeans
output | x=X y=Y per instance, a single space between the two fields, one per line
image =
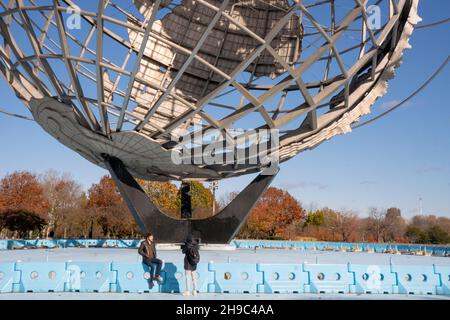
x=151 y=264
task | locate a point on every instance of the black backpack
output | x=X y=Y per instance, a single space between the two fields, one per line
x=193 y=255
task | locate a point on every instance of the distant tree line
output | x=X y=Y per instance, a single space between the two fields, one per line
x=55 y=205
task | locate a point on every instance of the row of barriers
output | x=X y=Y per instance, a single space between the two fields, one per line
x=68 y=243
x=226 y=278
x=241 y=244
x=345 y=246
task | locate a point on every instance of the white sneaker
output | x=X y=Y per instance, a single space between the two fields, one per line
x=194 y=293
x=186 y=293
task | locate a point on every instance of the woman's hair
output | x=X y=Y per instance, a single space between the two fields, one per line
x=148 y=235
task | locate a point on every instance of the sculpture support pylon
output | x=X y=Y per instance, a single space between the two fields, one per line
x=219 y=229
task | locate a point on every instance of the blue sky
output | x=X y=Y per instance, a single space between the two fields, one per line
x=392 y=162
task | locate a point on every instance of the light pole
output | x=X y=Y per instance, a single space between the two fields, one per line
x=214 y=186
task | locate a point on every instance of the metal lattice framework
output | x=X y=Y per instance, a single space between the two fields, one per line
x=125 y=77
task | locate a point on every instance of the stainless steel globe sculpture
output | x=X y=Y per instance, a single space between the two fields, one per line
x=124 y=79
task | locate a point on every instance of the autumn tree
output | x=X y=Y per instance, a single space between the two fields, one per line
x=30 y=205
x=428 y=229
x=202 y=200
x=104 y=195
x=444 y=223
x=167 y=197
x=376 y=225
x=164 y=195
x=273 y=215
x=322 y=224
x=415 y=234
x=315 y=218
x=109 y=210
x=22 y=222
x=345 y=226
x=437 y=235
x=314 y=224
x=385 y=225
x=22 y=191
x=78 y=221
x=424 y=221
x=63 y=195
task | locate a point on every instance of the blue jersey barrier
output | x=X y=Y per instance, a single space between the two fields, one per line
x=322 y=246
x=132 y=277
x=8 y=277
x=282 y=278
x=328 y=278
x=226 y=278
x=241 y=244
x=380 y=247
x=42 y=277
x=416 y=279
x=235 y=278
x=343 y=246
x=373 y=279
x=174 y=278
x=128 y=243
x=444 y=280
x=90 y=277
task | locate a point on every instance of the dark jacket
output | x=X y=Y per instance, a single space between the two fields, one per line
x=191 y=253
x=147 y=250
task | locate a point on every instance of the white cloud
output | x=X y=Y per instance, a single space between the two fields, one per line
x=303 y=184
x=429 y=169
x=390 y=104
x=368 y=182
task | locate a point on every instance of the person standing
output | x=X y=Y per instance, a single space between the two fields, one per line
x=191 y=253
x=147 y=250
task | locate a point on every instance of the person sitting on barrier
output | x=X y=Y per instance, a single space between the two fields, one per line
x=192 y=257
x=147 y=250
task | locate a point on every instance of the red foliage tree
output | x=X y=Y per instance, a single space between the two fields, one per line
x=109 y=210
x=22 y=191
x=274 y=215
x=104 y=194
